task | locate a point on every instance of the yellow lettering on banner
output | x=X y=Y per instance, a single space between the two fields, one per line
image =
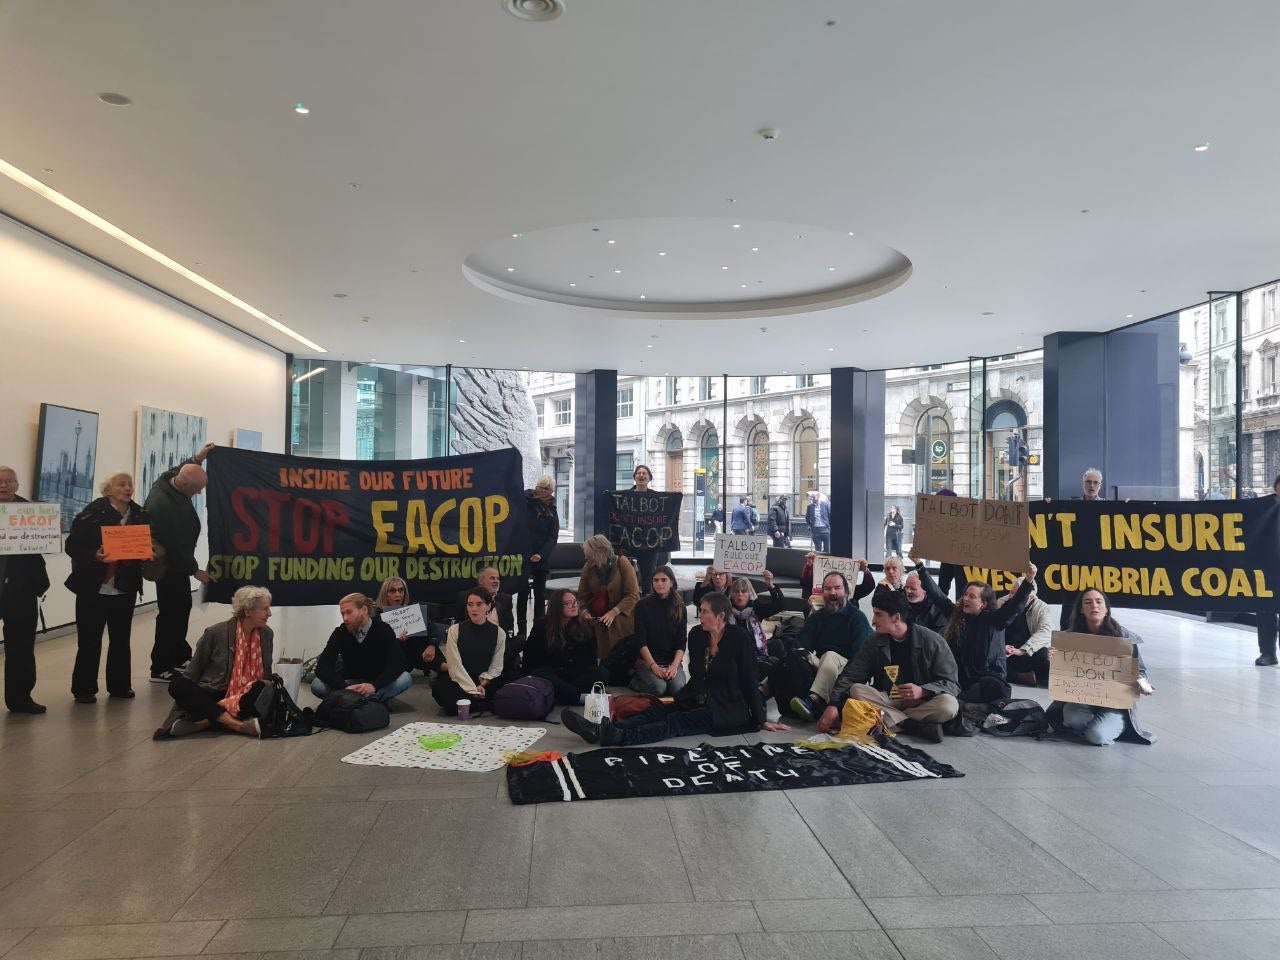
x=1066 y=520
x=417 y=528
x=1161 y=585
x=1231 y=532
x=436 y=519
x=1190 y=589
x=1039 y=538
x=470 y=533
x=497 y=509
x=1207 y=532
x=383 y=527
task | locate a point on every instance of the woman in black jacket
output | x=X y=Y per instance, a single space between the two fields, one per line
x=975 y=633
x=562 y=650
x=749 y=610
x=661 y=623
x=105 y=590
x=721 y=698
x=544 y=530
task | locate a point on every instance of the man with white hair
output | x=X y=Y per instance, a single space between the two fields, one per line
x=1091 y=484
x=23 y=579
x=175 y=527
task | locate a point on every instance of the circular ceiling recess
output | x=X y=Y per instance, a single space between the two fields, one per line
x=536 y=10
x=696 y=267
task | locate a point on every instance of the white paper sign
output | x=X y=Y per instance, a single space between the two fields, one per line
x=739 y=553
x=824 y=565
x=30 y=528
x=407 y=619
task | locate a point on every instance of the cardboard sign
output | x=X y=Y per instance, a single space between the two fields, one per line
x=127 y=543
x=739 y=553
x=30 y=528
x=979 y=533
x=407 y=619
x=1097 y=670
x=824 y=565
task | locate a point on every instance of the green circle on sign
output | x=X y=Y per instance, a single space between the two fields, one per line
x=439 y=741
x=940 y=449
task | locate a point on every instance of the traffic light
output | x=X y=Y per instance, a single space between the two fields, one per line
x=1019 y=454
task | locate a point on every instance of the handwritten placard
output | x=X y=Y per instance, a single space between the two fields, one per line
x=407 y=619
x=128 y=542
x=979 y=533
x=823 y=565
x=737 y=553
x=1097 y=670
x=30 y=528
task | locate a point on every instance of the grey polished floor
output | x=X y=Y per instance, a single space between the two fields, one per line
x=112 y=846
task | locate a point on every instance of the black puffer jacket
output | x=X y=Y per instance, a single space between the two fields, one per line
x=979 y=646
x=544 y=528
x=84 y=541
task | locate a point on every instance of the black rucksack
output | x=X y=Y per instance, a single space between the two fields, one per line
x=528 y=698
x=1016 y=718
x=346 y=710
x=791 y=676
x=281 y=717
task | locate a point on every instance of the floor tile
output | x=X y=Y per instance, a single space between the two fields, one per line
x=941 y=943
x=739 y=846
x=722 y=947
x=121 y=940
x=1115 y=941
x=438 y=790
x=1140 y=906
x=106 y=800
x=451 y=951
x=305 y=795
x=9 y=938
x=402 y=929
x=954 y=911
x=795 y=916
x=856 y=945
x=586 y=853
x=1215 y=939
x=623 y=920
x=1247 y=813
x=277 y=933
x=29 y=836
x=211 y=797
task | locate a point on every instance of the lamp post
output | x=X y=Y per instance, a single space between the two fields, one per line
x=74 y=459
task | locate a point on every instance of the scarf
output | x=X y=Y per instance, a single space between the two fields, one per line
x=747 y=619
x=247 y=669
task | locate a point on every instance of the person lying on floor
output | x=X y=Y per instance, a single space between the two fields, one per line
x=229 y=670
x=372 y=658
x=904 y=669
x=721 y=698
x=562 y=649
x=475 y=649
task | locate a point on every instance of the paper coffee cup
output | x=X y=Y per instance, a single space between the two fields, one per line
x=464 y=709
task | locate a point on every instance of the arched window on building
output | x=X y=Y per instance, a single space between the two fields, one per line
x=758 y=468
x=804 y=461
x=711 y=464
x=675 y=462
x=1004 y=418
x=934 y=453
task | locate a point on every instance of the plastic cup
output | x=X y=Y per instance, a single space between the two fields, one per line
x=464 y=709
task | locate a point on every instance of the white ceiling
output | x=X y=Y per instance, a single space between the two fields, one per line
x=967 y=136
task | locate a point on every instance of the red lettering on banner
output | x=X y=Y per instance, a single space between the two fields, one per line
x=275 y=499
x=306 y=526
x=248 y=539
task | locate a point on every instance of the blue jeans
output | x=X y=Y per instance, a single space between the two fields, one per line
x=660 y=722
x=644 y=680
x=1098 y=725
x=821 y=539
x=393 y=689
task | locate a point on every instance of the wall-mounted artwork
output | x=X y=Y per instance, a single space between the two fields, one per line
x=66 y=456
x=165 y=439
x=244 y=439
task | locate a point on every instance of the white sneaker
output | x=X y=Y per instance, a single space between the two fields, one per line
x=183 y=727
x=251 y=728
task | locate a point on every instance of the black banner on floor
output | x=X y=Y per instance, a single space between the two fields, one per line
x=1169 y=555
x=612 y=773
x=312 y=530
x=642 y=521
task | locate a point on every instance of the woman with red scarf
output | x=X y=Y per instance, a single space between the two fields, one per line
x=228 y=673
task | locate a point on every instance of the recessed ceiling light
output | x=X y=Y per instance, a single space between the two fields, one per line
x=301 y=109
x=988 y=313
x=534 y=10
x=784 y=371
x=115 y=99
x=611 y=241
x=516 y=236
x=755 y=249
x=649 y=345
x=511 y=269
x=737 y=226
x=1128 y=316
x=373 y=359
x=662 y=253
x=47 y=169
x=340 y=296
x=851 y=233
x=1202 y=147
x=832 y=269
x=617 y=271
x=799 y=236
x=461 y=341
x=642 y=296
x=364 y=319
x=742 y=284
x=830 y=349
x=573 y=284
x=724 y=267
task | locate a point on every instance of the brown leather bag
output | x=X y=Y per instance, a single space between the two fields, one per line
x=625 y=705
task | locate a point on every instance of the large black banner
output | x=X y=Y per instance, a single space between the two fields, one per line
x=642 y=521
x=1170 y=555
x=612 y=773
x=312 y=530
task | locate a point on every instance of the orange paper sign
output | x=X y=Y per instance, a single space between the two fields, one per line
x=127 y=543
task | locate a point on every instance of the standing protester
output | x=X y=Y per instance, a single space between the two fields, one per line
x=544 y=530
x=1090 y=489
x=740 y=521
x=779 y=521
x=818 y=515
x=609 y=589
x=175 y=527
x=23 y=580
x=949 y=573
x=893 y=524
x=106 y=591
x=646 y=561
x=1269 y=617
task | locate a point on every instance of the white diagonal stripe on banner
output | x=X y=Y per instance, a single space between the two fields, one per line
x=564 y=787
x=577 y=787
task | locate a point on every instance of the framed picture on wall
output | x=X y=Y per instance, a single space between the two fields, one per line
x=165 y=439
x=244 y=439
x=66 y=457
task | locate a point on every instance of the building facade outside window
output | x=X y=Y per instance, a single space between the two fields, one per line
x=563 y=411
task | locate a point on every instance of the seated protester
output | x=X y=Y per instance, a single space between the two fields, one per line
x=361 y=655
x=1101 y=725
x=713 y=580
x=894 y=576
x=834 y=633
x=904 y=669
x=1026 y=642
x=609 y=588
x=721 y=698
x=229 y=670
x=562 y=650
x=420 y=651
x=661 y=626
x=920 y=609
x=475 y=650
x=866 y=582
x=504 y=611
x=747 y=610
x=975 y=633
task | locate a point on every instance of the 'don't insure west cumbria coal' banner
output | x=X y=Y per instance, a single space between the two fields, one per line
x=311 y=530
x=1169 y=554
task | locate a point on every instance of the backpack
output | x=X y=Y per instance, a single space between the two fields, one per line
x=787 y=630
x=281 y=717
x=346 y=710
x=1016 y=718
x=528 y=698
x=790 y=677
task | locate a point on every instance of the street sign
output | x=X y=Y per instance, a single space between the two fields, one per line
x=940 y=450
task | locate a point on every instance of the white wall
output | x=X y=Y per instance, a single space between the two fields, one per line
x=78 y=334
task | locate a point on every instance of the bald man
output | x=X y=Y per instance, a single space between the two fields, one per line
x=23 y=580
x=175 y=526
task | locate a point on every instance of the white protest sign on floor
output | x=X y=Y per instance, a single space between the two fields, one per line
x=1094 y=669
x=739 y=553
x=30 y=528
